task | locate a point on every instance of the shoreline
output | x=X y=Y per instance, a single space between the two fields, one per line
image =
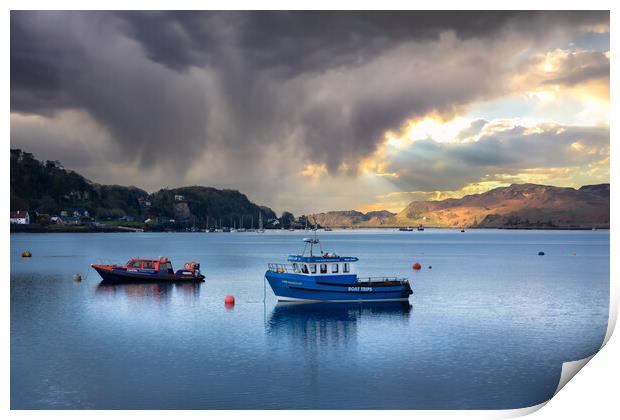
x=33 y=228
x=122 y=229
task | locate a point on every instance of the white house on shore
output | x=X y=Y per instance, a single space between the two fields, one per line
x=20 y=217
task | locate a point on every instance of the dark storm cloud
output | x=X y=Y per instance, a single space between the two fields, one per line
x=310 y=40
x=76 y=61
x=168 y=86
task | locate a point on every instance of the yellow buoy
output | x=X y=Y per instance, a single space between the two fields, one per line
x=26 y=254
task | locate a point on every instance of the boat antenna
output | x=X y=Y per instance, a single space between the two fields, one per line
x=316 y=240
x=314 y=219
x=312 y=241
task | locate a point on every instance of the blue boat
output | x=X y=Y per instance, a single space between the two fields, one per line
x=330 y=277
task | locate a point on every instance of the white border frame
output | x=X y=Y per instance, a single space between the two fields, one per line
x=594 y=385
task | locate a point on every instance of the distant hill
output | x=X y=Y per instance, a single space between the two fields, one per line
x=352 y=218
x=516 y=206
x=50 y=188
x=221 y=207
x=47 y=187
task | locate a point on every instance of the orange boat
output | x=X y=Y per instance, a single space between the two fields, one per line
x=149 y=270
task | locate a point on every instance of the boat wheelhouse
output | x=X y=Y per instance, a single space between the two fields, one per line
x=149 y=270
x=330 y=277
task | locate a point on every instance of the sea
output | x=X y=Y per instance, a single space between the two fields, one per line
x=488 y=326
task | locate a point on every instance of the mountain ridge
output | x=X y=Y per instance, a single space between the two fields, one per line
x=516 y=206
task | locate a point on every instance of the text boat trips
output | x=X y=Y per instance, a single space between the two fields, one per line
x=329 y=277
x=149 y=270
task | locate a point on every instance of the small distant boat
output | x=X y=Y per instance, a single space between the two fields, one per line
x=260 y=223
x=332 y=278
x=149 y=270
x=420 y=228
x=406 y=229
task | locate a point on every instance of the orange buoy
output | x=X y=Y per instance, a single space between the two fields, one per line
x=229 y=301
x=26 y=254
x=416 y=266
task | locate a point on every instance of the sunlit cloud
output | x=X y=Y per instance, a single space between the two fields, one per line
x=498 y=153
x=314 y=171
x=599 y=28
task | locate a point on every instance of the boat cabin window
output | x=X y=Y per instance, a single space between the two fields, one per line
x=134 y=264
x=345 y=268
x=304 y=268
x=334 y=268
x=166 y=267
x=312 y=268
x=323 y=268
x=296 y=267
x=149 y=265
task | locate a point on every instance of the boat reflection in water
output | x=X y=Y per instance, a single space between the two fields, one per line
x=158 y=292
x=319 y=343
x=331 y=324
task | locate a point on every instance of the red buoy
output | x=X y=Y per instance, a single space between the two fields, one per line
x=417 y=266
x=229 y=301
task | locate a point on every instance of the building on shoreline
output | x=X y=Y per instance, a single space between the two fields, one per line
x=20 y=217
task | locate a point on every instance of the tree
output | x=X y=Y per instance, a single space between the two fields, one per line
x=287 y=219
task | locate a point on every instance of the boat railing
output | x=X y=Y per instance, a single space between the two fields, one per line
x=286 y=268
x=280 y=268
x=381 y=279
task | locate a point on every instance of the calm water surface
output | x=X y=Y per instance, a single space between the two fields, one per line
x=487 y=327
